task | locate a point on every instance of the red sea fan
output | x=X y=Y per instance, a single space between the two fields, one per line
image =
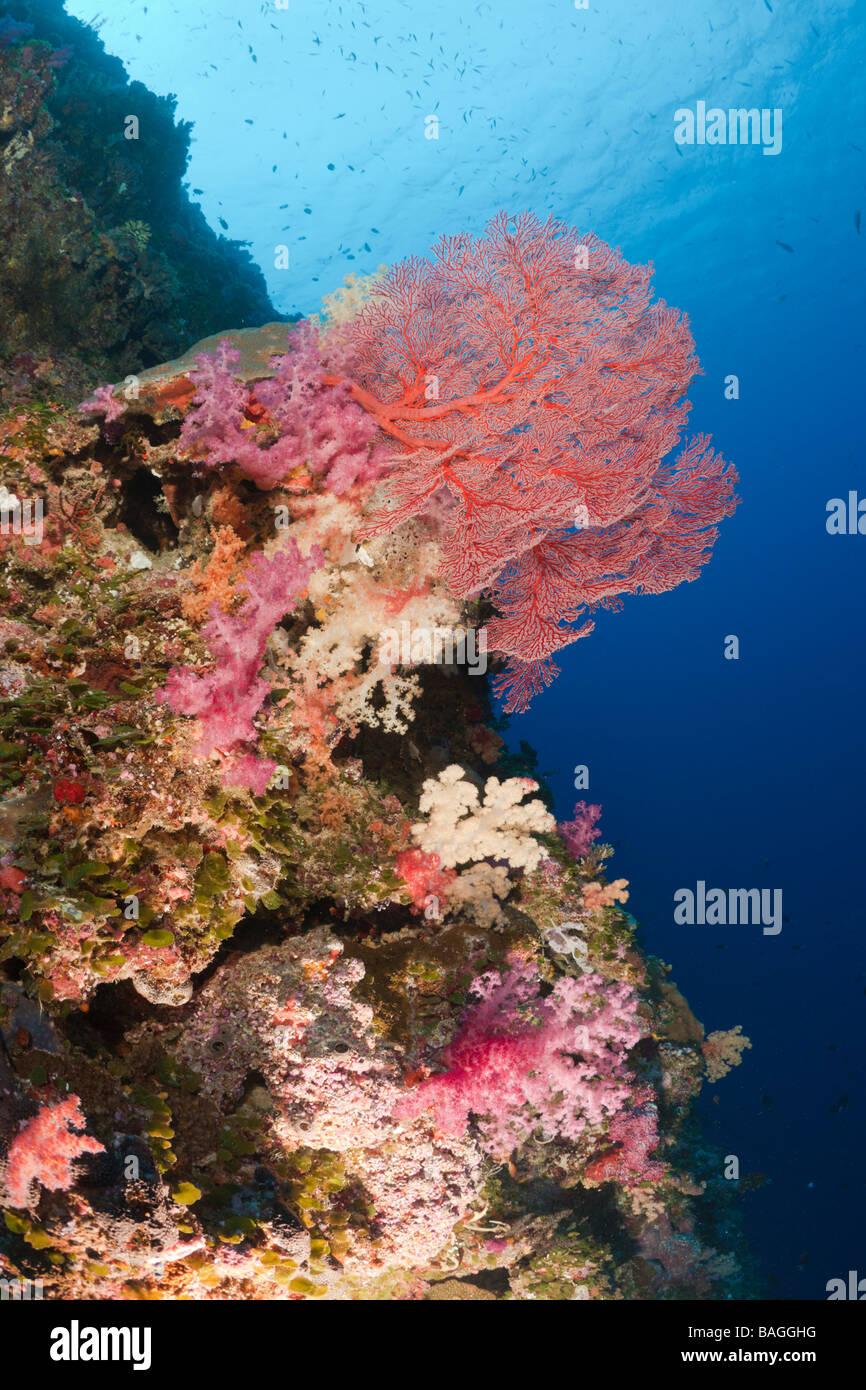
x=532 y=392
x=44 y=1150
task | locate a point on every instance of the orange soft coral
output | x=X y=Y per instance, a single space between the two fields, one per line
x=214 y=581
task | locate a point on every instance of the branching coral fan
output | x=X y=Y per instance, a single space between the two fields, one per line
x=533 y=393
x=44 y=1150
x=520 y=1060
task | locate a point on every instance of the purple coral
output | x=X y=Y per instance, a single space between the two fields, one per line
x=521 y=1060
x=227 y=699
x=634 y=1132
x=13 y=32
x=580 y=832
x=310 y=424
x=103 y=402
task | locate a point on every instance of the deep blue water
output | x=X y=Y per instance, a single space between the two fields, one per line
x=310 y=132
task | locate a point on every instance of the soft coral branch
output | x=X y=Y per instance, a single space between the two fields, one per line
x=521 y=1061
x=44 y=1150
x=294 y=420
x=227 y=699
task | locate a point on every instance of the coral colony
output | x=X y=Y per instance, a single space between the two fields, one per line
x=305 y=993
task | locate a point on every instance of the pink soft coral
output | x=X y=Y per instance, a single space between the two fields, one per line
x=103 y=402
x=634 y=1132
x=44 y=1150
x=522 y=1061
x=580 y=832
x=226 y=700
x=293 y=420
x=532 y=392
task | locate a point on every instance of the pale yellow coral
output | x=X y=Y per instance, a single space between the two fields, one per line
x=723 y=1050
x=461 y=828
x=344 y=304
x=478 y=891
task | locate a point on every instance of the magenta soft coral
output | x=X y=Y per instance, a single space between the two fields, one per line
x=634 y=1132
x=305 y=423
x=45 y=1149
x=227 y=699
x=531 y=391
x=579 y=832
x=522 y=1061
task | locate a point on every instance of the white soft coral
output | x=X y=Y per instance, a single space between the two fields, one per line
x=461 y=827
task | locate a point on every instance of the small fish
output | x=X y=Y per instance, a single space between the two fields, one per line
x=769 y=6
x=223 y=224
x=857 y=221
x=784 y=245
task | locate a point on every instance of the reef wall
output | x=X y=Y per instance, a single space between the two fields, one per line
x=108 y=265
x=305 y=994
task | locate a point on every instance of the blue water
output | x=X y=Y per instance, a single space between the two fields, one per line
x=311 y=128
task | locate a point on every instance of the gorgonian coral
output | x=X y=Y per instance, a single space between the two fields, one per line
x=533 y=394
x=522 y=1062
